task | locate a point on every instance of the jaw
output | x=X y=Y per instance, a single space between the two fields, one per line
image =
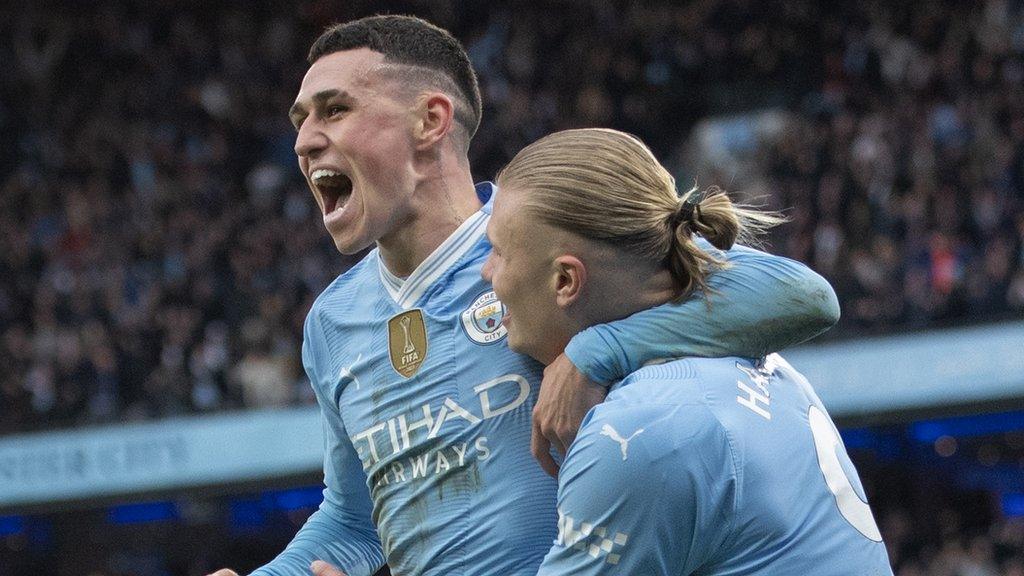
x=348 y=229
x=520 y=342
x=543 y=343
x=349 y=248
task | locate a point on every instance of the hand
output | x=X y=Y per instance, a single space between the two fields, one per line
x=566 y=395
x=224 y=572
x=321 y=568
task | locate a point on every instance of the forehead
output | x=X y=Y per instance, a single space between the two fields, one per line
x=513 y=227
x=347 y=70
x=517 y=228
x=501 y=212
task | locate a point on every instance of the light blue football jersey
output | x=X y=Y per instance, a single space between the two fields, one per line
x=713 y=467
x=426 y=412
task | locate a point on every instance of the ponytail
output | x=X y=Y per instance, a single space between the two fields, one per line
x=713 y=216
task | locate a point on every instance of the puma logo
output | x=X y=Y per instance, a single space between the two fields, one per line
x=612 y=433
x=347 y=372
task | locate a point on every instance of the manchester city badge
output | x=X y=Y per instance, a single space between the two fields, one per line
x=482 y=320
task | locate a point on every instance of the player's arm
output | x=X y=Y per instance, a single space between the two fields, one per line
x=664 y=509
x=341 y=532
x=760 y=304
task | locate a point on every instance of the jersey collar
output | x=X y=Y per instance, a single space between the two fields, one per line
x=406 y=292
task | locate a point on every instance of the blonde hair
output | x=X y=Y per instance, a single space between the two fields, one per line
x=607 y=185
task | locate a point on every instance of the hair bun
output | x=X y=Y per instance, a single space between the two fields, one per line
x=688 y=210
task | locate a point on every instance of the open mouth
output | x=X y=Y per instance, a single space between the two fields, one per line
x=334 y=187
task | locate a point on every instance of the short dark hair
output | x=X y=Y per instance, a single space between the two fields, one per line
x=413 y=42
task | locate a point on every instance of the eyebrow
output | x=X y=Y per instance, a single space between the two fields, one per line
x=320 y=99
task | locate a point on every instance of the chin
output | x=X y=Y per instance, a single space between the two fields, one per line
x=514 y=344
x=349 y=247
x=518 y=345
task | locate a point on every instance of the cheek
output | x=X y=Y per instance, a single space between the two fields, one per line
x=520 y=294
x=384 y=138
x=386 y=169
x=510 y=279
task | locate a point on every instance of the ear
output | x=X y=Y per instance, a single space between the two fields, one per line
x=570 y=279
x=436 y=114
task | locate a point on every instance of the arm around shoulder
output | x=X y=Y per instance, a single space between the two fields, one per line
x=759 y=304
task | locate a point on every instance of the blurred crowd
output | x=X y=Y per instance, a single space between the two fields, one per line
x=159 y=250
x=905 y=179
x=932 y=526
x=995 y=551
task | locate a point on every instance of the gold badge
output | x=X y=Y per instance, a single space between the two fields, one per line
x=407 y=342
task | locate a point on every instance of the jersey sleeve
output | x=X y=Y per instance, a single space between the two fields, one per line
x=643 y=491
x=759 y=304
x=341 y=531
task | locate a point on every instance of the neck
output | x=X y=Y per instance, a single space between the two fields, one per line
x=622 y=291
x=439 y=205
x=609 y=297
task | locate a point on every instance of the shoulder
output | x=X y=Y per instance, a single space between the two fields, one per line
x=667 y=415
x=728 y=389
x=646 y=462
x=345 y=298
x=350 y=289
x=644 y=430
x=677 y=382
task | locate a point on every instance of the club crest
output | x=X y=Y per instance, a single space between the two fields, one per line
x=407 y=342
x=482 y=320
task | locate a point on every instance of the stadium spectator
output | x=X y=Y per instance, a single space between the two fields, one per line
x=150 y=209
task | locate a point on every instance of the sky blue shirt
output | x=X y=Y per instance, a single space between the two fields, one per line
x=426 y=412
x=713 y=467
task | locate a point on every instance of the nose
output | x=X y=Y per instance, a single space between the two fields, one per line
x=310 y=139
